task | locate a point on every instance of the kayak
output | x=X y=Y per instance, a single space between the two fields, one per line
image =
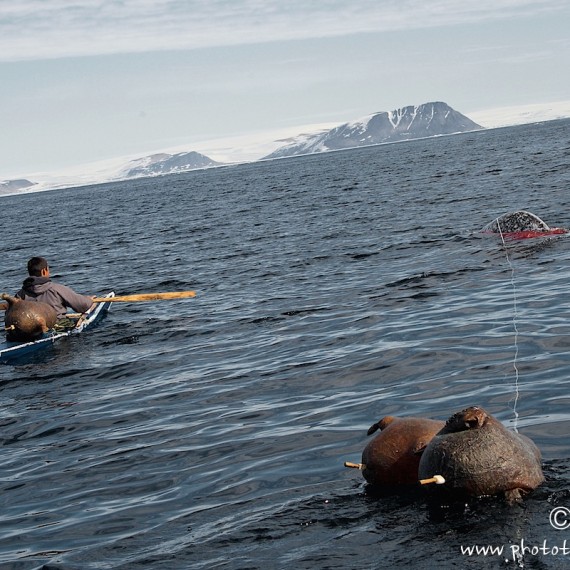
x=10 y=351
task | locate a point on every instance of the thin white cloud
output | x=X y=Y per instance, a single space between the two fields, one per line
x=36 y=29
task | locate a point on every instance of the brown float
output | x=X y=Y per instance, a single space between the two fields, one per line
x=27 y=320
x=393 y=456
x=476 y=454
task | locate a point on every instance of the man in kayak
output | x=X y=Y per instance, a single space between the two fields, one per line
x=39 y=287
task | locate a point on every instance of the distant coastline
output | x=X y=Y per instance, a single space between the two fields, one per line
x=251 y=148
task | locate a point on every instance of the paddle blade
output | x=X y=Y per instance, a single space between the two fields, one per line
x=146 y=297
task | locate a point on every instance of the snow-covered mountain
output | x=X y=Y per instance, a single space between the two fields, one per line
x=163 y=163
x=111 y=170
x=407 y=123
x=252 y=147
x=9 y=186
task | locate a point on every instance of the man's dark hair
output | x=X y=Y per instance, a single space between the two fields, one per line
x=35 y=266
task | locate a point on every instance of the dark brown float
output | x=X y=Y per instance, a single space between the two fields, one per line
x=393 y=456
x=27 y=320
x=477 y=455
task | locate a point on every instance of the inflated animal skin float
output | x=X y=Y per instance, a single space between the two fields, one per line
x=471 y=454
x=475 y=453
x=521 y=225
x=393 y=456
x=27 y=320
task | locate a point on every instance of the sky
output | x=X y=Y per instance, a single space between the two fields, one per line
x=83 y=81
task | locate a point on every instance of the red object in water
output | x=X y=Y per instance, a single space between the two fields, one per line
x=525 y=234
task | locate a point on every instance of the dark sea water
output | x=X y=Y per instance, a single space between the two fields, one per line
x=332 y=290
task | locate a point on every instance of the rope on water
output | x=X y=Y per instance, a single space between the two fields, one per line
x=515 y=314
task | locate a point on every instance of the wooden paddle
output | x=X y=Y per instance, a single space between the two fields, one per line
x=137 y=297
x=146 y=297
